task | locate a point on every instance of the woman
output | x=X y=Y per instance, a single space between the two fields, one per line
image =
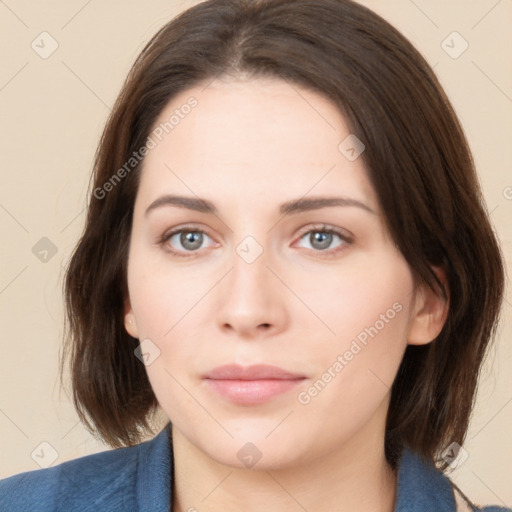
x=286 y=251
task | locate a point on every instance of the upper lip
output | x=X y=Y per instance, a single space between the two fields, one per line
x=254 y=372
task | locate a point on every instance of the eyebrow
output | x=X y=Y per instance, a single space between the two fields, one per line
x=287 y=208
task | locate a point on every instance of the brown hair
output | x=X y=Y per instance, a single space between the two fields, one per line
x=416 y=156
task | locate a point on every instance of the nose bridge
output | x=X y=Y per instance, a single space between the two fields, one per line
x=251 y=298
x=251 y=254
x=250 y=273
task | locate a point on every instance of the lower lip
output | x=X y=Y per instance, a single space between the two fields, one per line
x=252 y=392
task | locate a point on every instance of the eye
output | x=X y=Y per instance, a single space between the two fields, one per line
x=325 y=239
x=185 y=241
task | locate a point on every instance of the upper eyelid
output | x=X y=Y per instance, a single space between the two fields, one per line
x=344 y=233
x=304 y=230
x=187 y=227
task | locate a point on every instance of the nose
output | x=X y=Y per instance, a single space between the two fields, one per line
x=252 y=300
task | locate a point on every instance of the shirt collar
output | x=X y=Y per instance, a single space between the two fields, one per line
x=421 y=487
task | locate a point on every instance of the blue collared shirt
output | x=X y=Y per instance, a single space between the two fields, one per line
x=138 y=479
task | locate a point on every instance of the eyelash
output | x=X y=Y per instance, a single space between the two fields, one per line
x=320 y=228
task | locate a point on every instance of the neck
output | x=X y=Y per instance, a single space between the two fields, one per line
x=353 y=479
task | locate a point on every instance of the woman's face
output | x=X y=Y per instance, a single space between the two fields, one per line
x=287 y=262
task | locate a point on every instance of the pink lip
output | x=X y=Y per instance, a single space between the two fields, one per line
x=251 y=385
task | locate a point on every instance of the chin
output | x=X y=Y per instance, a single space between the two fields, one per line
x=252 y=448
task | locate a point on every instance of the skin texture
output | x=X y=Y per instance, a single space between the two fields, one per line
x=248 y=147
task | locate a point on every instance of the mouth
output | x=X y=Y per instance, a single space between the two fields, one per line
x=251 y=385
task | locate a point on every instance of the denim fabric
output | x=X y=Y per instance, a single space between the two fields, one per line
x=138 y=479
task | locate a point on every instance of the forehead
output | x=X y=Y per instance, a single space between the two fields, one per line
x=249 y=138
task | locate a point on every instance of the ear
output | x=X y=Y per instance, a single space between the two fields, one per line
x=130 y=323
x=430 y=312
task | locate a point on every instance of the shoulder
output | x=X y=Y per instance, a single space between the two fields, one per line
x=110 y=480
x=423 y=488
x=463 y=504
x=83 y=480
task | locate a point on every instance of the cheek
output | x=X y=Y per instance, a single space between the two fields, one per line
x=367 y=362
x=364 y=359
x=167 y=304
x=369 y=321
x=352 y=387
x=161 y=297
x=164 y=304
x=369 y=298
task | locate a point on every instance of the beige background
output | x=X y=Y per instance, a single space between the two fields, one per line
x=53 y=111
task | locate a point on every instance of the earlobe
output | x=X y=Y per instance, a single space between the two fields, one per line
x=431 y=312
x=129 y=321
